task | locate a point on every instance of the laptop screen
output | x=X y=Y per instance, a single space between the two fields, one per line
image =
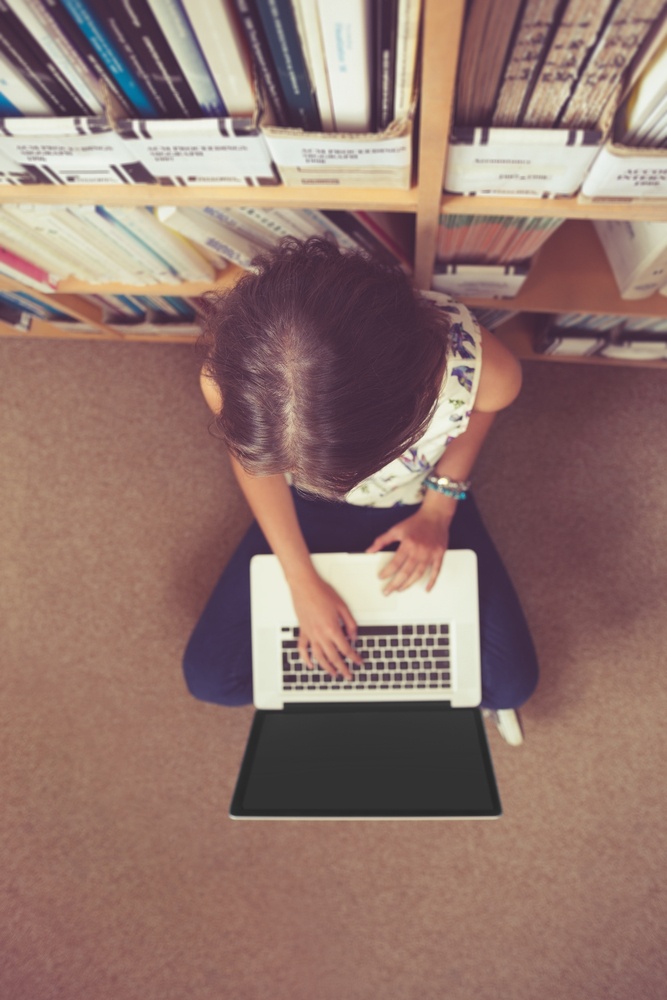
x=367 y=761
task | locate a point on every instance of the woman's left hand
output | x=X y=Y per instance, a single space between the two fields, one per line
x=423 y=539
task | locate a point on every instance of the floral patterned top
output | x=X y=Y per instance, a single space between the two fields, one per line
x=402 y=481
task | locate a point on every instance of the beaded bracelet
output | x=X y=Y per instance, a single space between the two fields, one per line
x=454 y=488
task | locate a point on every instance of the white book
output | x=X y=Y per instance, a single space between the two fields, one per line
x=291 y=222
x=178 y=34
x=22 y=241
x=55 y=221
x=346 y=36
x=15 y=90
x=45 y=39
x=637 y=255
x=308 y=24
x=407 y=38
x=322 y=226
x=224 y=48
x=126 y=267
x=183 y=259
x=645 y=104
x=147 y=263
x=246 y=222
x=37 y=220
x=222 y=244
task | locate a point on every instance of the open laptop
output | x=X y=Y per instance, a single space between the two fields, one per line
x=402 y=740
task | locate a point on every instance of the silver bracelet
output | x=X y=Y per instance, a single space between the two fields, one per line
x=457 y=489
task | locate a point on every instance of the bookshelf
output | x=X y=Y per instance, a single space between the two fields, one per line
x=569 y=274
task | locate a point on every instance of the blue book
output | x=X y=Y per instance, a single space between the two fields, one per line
x=7 y=109
x=112 y=59
x=282 y=36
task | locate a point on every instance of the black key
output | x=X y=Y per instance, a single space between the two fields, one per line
x=286 y=664
x=289 y=678
x=384 y=687
x=377 y=655
x=442 y=641
x=370 y=643
x=404 y=665
x=396 y=686
x=444 y=630
x=432 y=629
x=421 y=677
x=409 y=677
x=426 y=664
x=442 y=664
x=393 y=642
x=398 y=677
x=391 y=665
x=407 y=630
x=375 y=678
x=433 y=677
x=294 y=656
x=377 y=630
x=424 y=653
x=418 y=642
x=386 y=677
x=421 y=629
x=406 y=642
x=289 y=644
x=430 y=641
x=412 y=654
x=362 y=677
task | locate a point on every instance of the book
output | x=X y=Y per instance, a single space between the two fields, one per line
x=637 y=254
x=18 y=97
x=133 y=28
x=182 y=41
x=385 y=19
x=485 y=42
x=110 y=55
x=18 y=268
x=621 y=38
x=278 y=21
x=570 y=46
x=644 y=113
x=184 y=261
x=135 y=264
x=407 y=41
x=207 y=232
x=41 y=223
x=22 y=52
x=69 y=71
x=346 y=38
x=526 y=54
x=261 y=56
x=307 y=17
x=224 y=47
x=366 y=240
x=21 y=240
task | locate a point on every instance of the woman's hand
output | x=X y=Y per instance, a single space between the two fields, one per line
x=327 y=629
x=423 y=539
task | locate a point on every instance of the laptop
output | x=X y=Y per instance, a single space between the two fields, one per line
x=404 y=739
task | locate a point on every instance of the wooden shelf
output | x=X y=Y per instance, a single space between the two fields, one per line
x=130 y=195
x=571 y=274
x=650 y=210
x=517 y=334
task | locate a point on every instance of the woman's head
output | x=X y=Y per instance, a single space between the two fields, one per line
x=329 y=365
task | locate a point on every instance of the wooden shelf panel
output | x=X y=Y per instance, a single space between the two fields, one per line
x=517 y=334
x=571 y=274
x=569 y=208
x=185 y=289
x=325 y=197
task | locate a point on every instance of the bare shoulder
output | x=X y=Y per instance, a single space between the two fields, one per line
x=500 y=379
x=210 y=390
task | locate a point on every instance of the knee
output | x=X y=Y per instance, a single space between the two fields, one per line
x=208 y=681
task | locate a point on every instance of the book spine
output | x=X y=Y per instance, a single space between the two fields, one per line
x=346 y=37
x=12 y=265
x=129 y=264
x=224 y=47
x=248 y=246
x=256 y=224
x=407 y=38
x=282 y=36
x=68 y=71
x=307 y=18
x=259 y=49
x=365 y=240
x=18 y=49
x=181 y=39
x=385 y=14
x=19 y=95
x=20 y=240
x=84 y=17
x=207 y=233
x=100 y=218
x=137 y=36
x=184 y=260
x=43 y=221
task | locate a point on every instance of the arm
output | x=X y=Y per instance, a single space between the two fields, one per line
x=424 y=537
x=318 y=607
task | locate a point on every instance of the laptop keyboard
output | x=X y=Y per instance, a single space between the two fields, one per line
x=396 y=657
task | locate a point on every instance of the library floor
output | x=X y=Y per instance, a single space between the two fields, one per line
x=122 y=877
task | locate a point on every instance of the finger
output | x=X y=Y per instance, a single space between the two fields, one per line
x=331 y=660
x=395 y=565
x=304 y=652
x=409 y=574
x=436 y=566
x=382 y=540
x=347 y=648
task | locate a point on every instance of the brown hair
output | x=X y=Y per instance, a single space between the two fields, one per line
x=328 y=362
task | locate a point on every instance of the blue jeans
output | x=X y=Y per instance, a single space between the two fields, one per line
x=217 y=661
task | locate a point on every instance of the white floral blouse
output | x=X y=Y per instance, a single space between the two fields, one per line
x=402 y=481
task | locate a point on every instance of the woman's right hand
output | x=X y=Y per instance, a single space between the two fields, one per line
x=327 y=629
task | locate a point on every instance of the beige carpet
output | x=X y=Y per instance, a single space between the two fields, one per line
x=122 y=876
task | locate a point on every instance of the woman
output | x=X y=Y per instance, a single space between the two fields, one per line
x=326 y=368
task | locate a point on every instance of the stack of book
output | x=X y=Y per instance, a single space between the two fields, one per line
x=487 y=256
x=641 y=338
x=548 y=63
x=643 y=115
x=637 y=254
x=344 y=66
x=41 y=245
x=153 y=58
x=166 y=315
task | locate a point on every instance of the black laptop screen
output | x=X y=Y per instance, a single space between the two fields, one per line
x=367 y=761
